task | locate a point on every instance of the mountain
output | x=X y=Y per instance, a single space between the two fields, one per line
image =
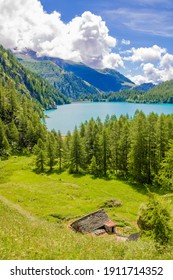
x=74 y=79
x=28 y=83
x=162 y=93
x=144 y=87
x=66 y=82
x=105 y=80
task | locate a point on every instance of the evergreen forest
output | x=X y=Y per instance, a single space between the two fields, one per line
x=137 y=150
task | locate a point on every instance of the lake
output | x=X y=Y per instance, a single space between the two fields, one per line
x=65 y=117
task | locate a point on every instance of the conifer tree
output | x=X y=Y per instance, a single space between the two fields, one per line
x=154 y=220
x=67 y=149
x=104 y=149
x=165 y=174
x=137 y=157
x=12 y=135
x=114 y=146
x=124 y=147
x=152 y=166
x=59 y=149
x=51 y=150
x=41 y=155
x=93 y=167
x=162 y=137
x=77 y=157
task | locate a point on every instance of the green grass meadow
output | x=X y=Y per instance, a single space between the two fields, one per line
x=37 y=209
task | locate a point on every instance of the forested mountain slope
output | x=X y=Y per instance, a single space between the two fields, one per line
x=66 y=82
x=27 y=82
x=162 y=93
x=97 y=80
x=105 y=80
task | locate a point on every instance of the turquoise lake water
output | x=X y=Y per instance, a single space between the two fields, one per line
x=66 y=117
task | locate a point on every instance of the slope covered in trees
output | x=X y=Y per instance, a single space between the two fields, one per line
x=163 y=93
x=27 y=82
x=66 y=82
x=67 y=74
x=20 y=126
x=137 y=149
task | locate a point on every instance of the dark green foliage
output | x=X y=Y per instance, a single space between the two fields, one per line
x=77 y=158
x=27 y=83
x=93 y=167
x=154 y=220
x=60 y=150
x=20 y=126
x=65 y=82
x=137 y=157
x=74 y=79
x=158 y=94
x=127 y=147
x=165 y=175
x=41 y=155
x=51 y=150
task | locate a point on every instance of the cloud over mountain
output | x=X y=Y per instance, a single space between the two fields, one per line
x=24 y=24
x=156 y=64
x=86 y=38
x=153 y=53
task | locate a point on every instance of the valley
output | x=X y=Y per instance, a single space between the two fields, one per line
x=49 y=179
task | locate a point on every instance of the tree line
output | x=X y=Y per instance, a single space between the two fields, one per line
x=20 y=126
x=138 y=148
x=28 y=83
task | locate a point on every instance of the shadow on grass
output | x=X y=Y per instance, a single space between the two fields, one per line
x=142 y=188
x=47 y=171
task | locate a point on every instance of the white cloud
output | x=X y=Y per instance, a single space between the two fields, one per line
x=166 y=61
x=153 y=53
x=24 y=24
x=138 y=79
x=153 y=74
x=113 y=61
x=125 y=42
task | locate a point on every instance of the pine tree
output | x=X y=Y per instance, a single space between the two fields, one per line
x=4 y=145
x=124 y=146
x=104 y=148
x=51 y=150
x=93 y=167
x=41 y=155
x=59 y=149
x=67 y=149
x=77 y=157
x=12 y=135
x=137 y=157
x=162 y=137
x=114 y=146
x=154 y=220
x=165 y=174
x=152 y=166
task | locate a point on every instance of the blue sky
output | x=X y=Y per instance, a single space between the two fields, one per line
x=143 y=22
x=134 y=37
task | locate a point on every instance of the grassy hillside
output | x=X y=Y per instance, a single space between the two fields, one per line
x=36 y=210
